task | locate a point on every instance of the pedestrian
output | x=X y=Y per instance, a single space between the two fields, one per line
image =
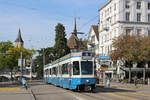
x=135 y=80
x=26 y=85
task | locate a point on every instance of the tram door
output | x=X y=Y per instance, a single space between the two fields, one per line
x=70 y=75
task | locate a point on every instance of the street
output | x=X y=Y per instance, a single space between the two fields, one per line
x=44 y=91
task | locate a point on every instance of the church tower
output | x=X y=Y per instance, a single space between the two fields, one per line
x=74 y=43
x=19 y=42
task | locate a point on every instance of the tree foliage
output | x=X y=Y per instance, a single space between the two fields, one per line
x=9 y=55
x=84 y=43
x=49 y=55
x=127 y=47
x=60 y=46
x=52 y=53
x=132 y=49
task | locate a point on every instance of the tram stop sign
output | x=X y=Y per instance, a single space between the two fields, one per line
x=86 y=56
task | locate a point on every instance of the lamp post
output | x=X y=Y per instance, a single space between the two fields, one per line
x=31 y=68
x=21 y=64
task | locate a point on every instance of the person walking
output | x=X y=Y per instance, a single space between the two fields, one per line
x=26 y=85
x=135 y=80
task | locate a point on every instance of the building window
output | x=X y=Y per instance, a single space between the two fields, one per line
x=114 y=6
x=127 y=16
x=127 y=4
x=138 y=17
x=110 y=10
x=148 y=32
x=138 y=6
x=139 y=31
x=93 y=39
x=149 y=17
x=114 y=18
x=148 y=5
x=128 y=31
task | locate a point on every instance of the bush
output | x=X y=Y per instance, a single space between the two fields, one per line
x=141 y=82
x=125 y=81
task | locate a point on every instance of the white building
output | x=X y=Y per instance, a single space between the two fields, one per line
x=93 y=42
x=122 y=17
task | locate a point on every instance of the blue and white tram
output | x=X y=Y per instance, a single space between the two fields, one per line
x=74 y=71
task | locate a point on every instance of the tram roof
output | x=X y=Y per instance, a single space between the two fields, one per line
x=71 y=55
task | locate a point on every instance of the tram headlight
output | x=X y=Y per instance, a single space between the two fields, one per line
x=87 y=81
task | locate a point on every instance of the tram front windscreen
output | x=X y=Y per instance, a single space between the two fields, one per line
x=86 y=67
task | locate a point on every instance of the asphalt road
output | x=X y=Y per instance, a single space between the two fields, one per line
x=43 y=91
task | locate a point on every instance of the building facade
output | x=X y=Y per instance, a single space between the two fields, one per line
x=93 y=40
x=118 y=17
x=93 y=43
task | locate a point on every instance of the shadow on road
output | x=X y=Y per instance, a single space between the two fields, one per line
x=104 y=89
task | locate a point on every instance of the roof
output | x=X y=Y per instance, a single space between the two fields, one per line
x=108 y=1
x=95 y=29
x=19 y=38
x=73 y=42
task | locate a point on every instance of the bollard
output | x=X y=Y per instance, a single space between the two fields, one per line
x=23 y=82
x=108 y=83
x=148 y=81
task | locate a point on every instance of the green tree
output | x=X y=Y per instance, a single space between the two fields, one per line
x=10 y=56
x=84 y=44
x=127 y=47
x=48 y=54
x=60 y=46
x=145 y=53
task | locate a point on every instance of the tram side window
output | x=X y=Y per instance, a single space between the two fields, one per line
x=46 y=71
x=60 y=72
x=65 y=68
x=76 y=70
x=54 y=71
x=49 y=71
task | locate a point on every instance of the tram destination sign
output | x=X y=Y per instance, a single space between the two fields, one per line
x=86 y=56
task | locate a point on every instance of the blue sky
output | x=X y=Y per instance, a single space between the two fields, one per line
x=37 y=19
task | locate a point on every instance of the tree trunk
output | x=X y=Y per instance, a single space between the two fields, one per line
x=11 y=75
x=129 y=74
x=144 y=73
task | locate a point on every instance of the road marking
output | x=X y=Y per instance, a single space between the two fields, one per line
x=120 y=96
x=135 y=93
x=10 y=89
x=105 y=85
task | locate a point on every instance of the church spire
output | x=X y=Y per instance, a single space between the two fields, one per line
x=75 y=27
x=19 y=42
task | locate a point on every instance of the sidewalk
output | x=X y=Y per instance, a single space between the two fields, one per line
x=15 y=94
x=126 y=85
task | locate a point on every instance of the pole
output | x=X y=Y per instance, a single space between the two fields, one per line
x=31 y=69
x=43 y=58
x=21 y=65
x=43 y=61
